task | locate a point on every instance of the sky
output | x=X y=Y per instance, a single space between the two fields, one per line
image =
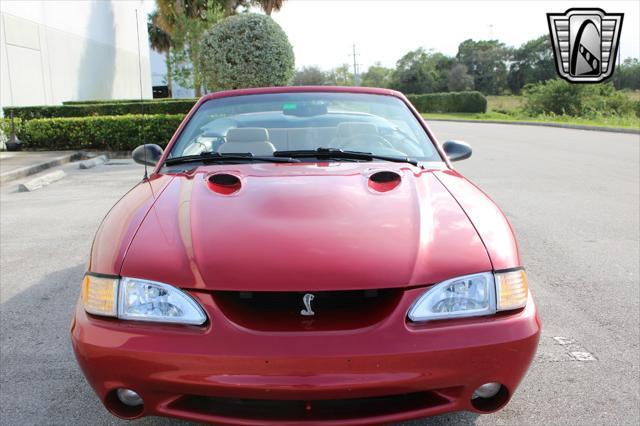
x=322 y=32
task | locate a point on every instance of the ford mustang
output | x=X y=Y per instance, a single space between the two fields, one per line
x=304 y=255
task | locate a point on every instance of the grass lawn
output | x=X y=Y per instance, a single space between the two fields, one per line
x=505 y=103
x=622 y=122
x=509 y=108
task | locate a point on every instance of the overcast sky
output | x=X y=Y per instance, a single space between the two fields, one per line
x=322 y=31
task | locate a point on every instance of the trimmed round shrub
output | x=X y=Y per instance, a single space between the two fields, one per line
x=248 y=50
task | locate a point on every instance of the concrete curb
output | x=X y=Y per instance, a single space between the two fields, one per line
x=41 y=181
x=37 y=168
x=87 y=164
x=535 y=123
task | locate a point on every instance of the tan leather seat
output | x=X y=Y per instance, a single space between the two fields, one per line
x=247 y=139
x=279 y=138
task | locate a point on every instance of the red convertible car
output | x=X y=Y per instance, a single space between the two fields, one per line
x=304 y=255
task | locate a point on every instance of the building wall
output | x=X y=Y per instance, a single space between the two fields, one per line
x=53 y=51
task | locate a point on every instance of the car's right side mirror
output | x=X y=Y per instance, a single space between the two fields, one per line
x=148 y=154
x=457 y=150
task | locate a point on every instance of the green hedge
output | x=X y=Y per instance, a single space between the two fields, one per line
x=116 y=133
x=449 y=102
x=124 y=101
x=5 y=126
x=100 y=109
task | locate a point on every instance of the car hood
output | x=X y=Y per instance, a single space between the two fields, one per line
x=305 y=227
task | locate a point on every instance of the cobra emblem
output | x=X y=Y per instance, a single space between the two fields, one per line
x=307 y=311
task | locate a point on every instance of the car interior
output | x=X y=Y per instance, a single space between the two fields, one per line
x=261 y=141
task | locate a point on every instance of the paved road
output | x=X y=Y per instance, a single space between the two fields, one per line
x=572 y=196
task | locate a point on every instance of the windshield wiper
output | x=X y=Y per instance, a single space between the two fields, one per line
x=214 y=157
x=336 y=153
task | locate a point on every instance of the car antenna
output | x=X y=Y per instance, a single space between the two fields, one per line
x=140 y=133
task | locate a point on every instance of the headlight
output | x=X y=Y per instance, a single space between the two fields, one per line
x=466 y=296
x=472 y=295
x=141 y=300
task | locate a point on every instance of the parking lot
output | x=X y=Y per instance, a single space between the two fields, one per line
x=572 y=196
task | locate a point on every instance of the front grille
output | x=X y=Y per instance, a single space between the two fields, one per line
x=333 y=310
x=302 y=410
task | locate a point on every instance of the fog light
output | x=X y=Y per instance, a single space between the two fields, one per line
x=129 y=397
x=487 y=390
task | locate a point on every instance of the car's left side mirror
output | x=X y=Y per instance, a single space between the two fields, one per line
x=457 y=150
x=148 y=154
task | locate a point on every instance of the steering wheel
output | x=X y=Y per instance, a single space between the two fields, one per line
x=365 y=141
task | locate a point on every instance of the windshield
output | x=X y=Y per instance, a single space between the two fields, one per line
x=264 y=124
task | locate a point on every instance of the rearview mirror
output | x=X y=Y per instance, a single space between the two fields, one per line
x=457 y=150
x=147 y=154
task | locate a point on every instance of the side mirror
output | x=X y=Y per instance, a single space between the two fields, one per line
x=148 y=154
x=457 y=150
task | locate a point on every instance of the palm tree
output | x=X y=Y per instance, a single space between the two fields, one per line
x=269 y=5
x=160 y=42
x=182 y=21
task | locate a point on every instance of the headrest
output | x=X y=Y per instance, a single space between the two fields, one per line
x=346 y=130
x=247 y=134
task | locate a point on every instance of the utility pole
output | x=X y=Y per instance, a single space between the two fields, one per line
x=356 y=74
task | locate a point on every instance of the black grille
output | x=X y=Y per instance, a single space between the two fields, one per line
x=299 y=410
x=333 y=310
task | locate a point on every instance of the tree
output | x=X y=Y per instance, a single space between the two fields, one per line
x=627 y=75
x=248 y=50
x=231 y=6
x=459 y=79
x=340 y=76
x=186 y=21
x=269 y=6
x=531 y=63
x=160 y=42
x=486 y=62
x=422 y=71
x=377 y=76
x=309 y=76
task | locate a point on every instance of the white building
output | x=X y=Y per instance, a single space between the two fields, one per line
x=62 y=50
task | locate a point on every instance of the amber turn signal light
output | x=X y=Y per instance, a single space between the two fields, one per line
x=512 y=289
x=99 y=295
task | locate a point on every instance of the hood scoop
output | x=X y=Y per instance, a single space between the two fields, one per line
x=224 y=183
x=384 y=181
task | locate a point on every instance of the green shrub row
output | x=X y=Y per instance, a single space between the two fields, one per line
x=5 y=126
x=449 y=102
x=124 y=101
x=114 y=133
x=577 y=100
x=100 y=109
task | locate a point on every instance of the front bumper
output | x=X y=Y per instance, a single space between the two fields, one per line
x=223 y=373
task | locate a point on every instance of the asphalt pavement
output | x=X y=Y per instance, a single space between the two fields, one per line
x=573 y=197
